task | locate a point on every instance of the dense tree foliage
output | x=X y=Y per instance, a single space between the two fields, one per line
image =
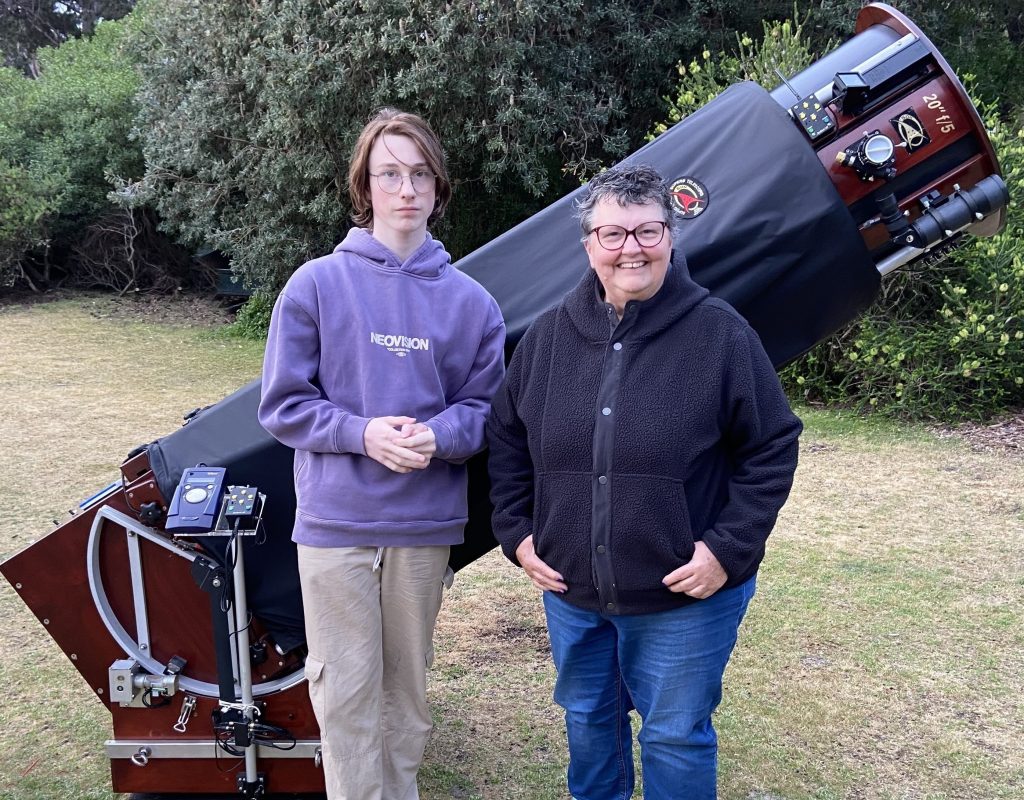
x=62 y=134
x=249 y=111
x=27 y=25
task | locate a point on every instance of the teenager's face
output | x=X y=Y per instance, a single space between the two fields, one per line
x=402 y=213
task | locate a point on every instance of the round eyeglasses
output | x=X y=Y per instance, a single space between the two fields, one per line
x=647 y=234
x=390 y=180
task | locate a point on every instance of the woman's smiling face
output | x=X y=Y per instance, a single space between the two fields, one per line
x=633 y=272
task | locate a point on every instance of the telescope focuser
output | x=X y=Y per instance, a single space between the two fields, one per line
x=943 y=216
x=872 y=156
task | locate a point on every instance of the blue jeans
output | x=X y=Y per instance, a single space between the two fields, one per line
x=668 y=666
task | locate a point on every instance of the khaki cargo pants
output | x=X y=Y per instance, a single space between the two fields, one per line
x=370 y=617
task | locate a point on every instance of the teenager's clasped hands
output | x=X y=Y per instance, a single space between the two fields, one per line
x=399 y=443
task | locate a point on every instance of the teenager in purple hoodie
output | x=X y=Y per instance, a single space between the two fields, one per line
x=380 y=366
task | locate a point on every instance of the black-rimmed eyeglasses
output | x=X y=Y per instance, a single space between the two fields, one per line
x=647 y=234
x=390 y=180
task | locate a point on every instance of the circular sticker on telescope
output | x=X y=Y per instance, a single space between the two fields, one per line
x=689 y=196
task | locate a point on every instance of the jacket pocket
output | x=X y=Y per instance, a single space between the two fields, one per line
x=650 y=529
x=561 y=530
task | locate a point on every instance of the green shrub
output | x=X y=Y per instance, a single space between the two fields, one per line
x=783 y=47
x=253 y=319
x=28 y=26
x=64 y=132
x=25 y=208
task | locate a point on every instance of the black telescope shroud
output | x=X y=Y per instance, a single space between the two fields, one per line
x=774 y=239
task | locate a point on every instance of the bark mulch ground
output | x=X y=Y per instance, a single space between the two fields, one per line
x=1004 y=435
x=181 y=308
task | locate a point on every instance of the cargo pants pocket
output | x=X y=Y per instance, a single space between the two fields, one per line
x=314 y=672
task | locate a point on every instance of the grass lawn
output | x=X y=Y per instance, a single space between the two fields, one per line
x=882 y=658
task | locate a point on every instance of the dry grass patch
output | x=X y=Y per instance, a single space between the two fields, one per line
x=497 y=734
x=82 y=387
x=881 y=659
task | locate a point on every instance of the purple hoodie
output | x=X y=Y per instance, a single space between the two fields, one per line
x=355 y=335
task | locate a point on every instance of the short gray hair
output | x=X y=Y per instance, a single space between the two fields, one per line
x=627 y=184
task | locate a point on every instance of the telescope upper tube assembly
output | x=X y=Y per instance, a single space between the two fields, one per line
x=900 y=138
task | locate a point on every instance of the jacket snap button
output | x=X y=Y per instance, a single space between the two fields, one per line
x=600 y=548
x=606 y=411
x=610 y=606
x=602 y=480
x=617 y=346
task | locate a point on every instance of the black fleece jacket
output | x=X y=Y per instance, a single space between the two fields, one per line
x=619 y=446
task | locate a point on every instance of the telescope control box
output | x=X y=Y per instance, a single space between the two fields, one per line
x=814 y=118
x=241 y=501
x=196 y=501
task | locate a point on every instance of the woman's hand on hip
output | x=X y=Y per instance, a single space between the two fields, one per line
x=543 y=577
x=700 y=577
x=381 y=438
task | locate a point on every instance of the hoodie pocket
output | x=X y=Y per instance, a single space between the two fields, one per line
x=301 y=464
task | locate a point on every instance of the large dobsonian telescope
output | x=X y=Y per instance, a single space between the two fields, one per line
x=177 y=599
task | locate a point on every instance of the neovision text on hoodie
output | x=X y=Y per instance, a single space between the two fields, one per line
x=356 y=335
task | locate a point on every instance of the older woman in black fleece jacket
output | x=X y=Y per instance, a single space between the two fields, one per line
x=641 y=448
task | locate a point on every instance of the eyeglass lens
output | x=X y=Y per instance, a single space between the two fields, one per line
x=613 y=237
x=390 y=180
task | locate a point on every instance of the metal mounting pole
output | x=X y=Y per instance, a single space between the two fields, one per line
x=242 y=648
